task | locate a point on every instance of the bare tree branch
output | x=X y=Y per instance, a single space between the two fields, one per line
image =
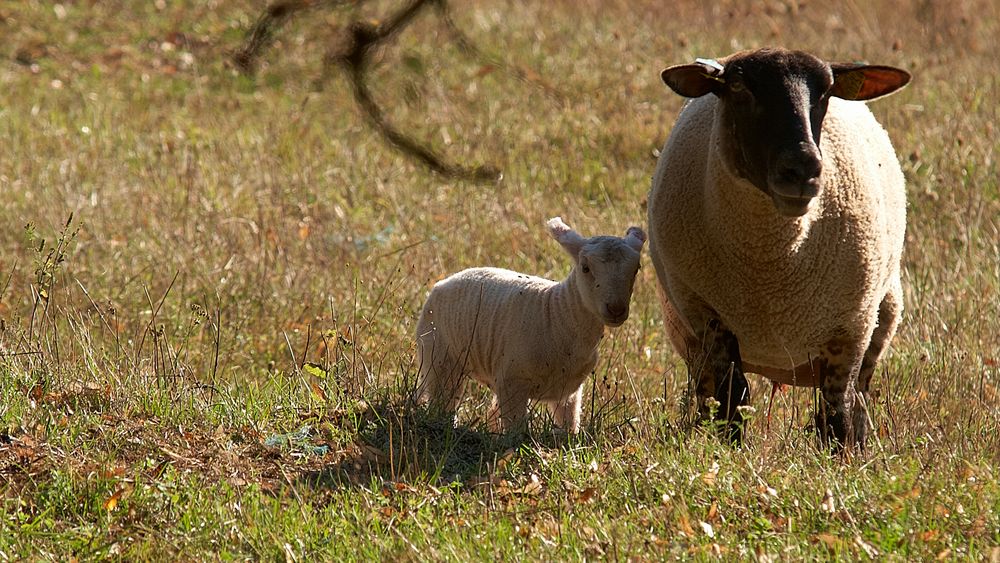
x=364 y=37
x=261 y=36
x=355 y=59
x=467 y=45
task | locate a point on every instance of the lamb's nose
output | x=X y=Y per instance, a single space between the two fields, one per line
x=617 y=310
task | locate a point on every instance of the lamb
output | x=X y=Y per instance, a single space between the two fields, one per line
x=776 y=217
x=526 y=337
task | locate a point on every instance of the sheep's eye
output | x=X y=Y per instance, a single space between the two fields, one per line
x=737 y=86
x=586 y=269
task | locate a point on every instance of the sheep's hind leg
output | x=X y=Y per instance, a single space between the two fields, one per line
x=566 y=413
x=721 y=376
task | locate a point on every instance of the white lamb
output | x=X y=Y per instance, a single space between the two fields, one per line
x=525 y=337
x=776 y=219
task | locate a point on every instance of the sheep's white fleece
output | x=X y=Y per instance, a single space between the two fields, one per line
x=784 y=286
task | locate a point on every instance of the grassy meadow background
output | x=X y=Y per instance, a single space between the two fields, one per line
x=209 y=283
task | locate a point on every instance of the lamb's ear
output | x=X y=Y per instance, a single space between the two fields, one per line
x=866 y=82
x=696 y=79
x=635 y=238
x=570 y=240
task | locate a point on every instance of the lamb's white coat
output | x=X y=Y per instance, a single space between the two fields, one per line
x=526 y=337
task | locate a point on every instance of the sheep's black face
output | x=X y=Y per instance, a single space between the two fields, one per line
x=773 y=104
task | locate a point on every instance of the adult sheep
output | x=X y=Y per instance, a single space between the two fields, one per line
x=776 y=218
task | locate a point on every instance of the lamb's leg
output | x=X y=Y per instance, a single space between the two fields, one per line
x=510 y=407
x=719 y=371
x=441 y=376
x=889 y=312
x=493 y=416
x=566 y=413
x=839 y=363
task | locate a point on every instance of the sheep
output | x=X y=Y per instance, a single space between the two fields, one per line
x=526 y=337
x=777 y=215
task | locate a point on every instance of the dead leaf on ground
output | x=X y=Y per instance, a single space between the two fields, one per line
x=532 y=487
x=831 y=541
x=713 y=513
x=685 y=525
x=112 y=503
x=109 y=472
x=317 y=391
x=710 y=476
x=504 y=459
x=586 y=495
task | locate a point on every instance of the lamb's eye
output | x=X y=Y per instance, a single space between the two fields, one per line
x=586 y=269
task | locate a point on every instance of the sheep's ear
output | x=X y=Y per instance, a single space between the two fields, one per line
x=570 y=240
x=696 y=79
x=866 y=82
x=635 y=238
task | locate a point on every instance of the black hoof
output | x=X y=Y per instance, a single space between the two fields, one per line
x=732 y=392
x=832 y=429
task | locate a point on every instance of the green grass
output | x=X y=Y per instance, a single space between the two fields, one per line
x=246 y=258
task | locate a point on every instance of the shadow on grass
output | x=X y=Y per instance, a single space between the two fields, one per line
x=401 y=443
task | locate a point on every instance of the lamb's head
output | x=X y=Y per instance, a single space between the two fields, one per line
x=605 y=268
x=772 y=105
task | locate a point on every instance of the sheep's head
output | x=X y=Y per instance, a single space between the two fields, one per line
x=773 y=103
x=605 y=268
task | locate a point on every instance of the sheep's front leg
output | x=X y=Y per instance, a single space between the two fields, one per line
x=839 y=364
x=720 y=376
x=566 y=413
x=889 y=312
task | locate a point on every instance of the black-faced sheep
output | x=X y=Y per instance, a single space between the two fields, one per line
x=525 y=337
x=776 y=217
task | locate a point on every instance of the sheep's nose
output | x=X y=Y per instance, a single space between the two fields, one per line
x=796 y=172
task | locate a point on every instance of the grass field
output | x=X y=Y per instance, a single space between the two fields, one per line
x=209 y=282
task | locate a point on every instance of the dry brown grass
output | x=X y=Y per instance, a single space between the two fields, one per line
x=231 y=229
